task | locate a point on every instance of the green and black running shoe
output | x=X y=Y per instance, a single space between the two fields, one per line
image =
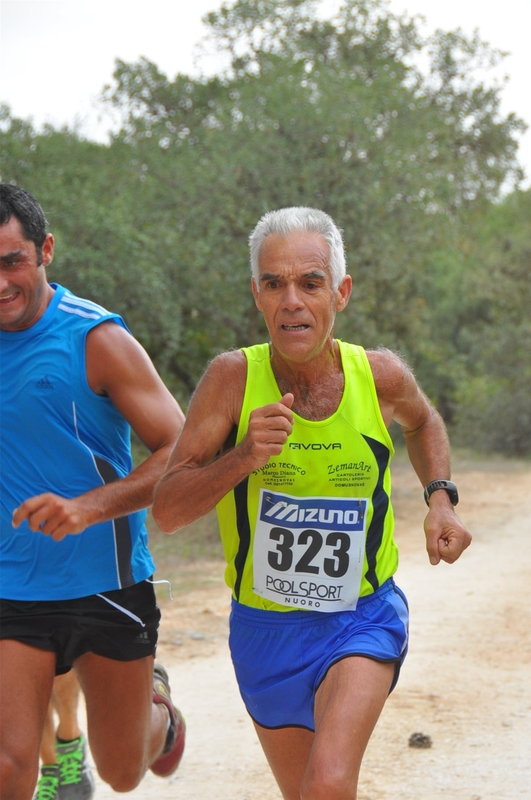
x=75 y=776
x=48 y=786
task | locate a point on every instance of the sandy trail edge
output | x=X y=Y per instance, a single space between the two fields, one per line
x=466 y=682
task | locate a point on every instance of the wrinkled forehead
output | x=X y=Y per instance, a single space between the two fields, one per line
x=297 y=250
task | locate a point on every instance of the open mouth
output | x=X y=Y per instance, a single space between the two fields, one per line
x=8 y=298
x=294 y=327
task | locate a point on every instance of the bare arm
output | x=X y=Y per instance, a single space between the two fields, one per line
x=199 y=473
x=119 y=367
x=428 y=448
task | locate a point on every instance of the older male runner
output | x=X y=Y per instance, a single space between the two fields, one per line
x=75 y=567
x=290 y=441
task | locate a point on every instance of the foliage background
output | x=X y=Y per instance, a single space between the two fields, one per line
x=417 y=166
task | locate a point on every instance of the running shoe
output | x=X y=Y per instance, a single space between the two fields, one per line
x=75 y=776
x=48 y=785
x=174 y=747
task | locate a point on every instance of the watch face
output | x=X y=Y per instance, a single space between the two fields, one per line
x=452 y=493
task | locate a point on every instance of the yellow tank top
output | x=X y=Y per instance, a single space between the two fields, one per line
x=313 y=528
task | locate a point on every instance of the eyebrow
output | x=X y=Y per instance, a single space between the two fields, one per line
x=268 y=276
x=10 y=256
x=271 y=276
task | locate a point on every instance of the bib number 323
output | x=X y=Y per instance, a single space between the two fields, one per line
x=308 y=551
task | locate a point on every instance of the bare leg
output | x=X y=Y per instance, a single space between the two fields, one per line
x=48 y=755
x=347 y=706
x=287 y=751
x=326 y=765
x=126 y=730
x=65 y=700
x=26 y=678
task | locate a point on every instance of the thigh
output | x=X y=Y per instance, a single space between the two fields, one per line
x=26 y=679
x=327 y=763
x=119 y=703
x=287 y=751
x=347 y=706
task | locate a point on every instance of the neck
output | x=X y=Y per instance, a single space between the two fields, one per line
x=317 y=385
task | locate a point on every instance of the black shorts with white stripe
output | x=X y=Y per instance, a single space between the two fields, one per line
x=120 y=624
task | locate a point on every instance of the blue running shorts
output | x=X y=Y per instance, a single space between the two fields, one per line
x=280 y=658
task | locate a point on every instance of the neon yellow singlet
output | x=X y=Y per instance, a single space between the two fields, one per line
x=317 y=519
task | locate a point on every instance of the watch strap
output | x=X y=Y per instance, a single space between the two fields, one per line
x=441 y=483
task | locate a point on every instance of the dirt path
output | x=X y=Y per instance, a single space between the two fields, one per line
x=466 y=682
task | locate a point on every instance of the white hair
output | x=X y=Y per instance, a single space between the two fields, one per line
x=298 y=218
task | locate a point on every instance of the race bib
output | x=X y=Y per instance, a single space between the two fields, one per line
x=308 y=551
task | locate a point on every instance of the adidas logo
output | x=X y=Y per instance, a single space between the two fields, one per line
x=142 y=638
x=44 y=383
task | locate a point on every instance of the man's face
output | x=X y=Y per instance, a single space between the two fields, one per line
x=295 y=294
x=24 y=292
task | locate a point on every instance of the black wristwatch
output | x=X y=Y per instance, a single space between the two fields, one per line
x=448 y=486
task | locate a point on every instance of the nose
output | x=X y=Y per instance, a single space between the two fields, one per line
x=292 y=298
x=4 y=280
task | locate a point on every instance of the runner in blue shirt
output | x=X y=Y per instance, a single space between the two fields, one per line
x=75 y=581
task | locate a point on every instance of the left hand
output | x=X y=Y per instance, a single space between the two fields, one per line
x=52 y=515
x=446 y=536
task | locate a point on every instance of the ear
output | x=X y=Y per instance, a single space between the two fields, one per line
x=256 y=294
x=47 y=250
x=343 y=293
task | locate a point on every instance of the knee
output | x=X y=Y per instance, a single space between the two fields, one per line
x=121 y=777
x=122 y=781
x=328 y=785
x=17 y=778
x=328 y=791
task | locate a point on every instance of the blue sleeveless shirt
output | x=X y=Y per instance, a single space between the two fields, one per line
x=57 y=435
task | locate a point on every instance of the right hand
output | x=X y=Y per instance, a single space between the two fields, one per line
x=53 y=515
x=268 y=431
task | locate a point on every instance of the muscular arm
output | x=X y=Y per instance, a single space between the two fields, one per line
x=428 y=448
x=199 y=473
x=117 y=366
